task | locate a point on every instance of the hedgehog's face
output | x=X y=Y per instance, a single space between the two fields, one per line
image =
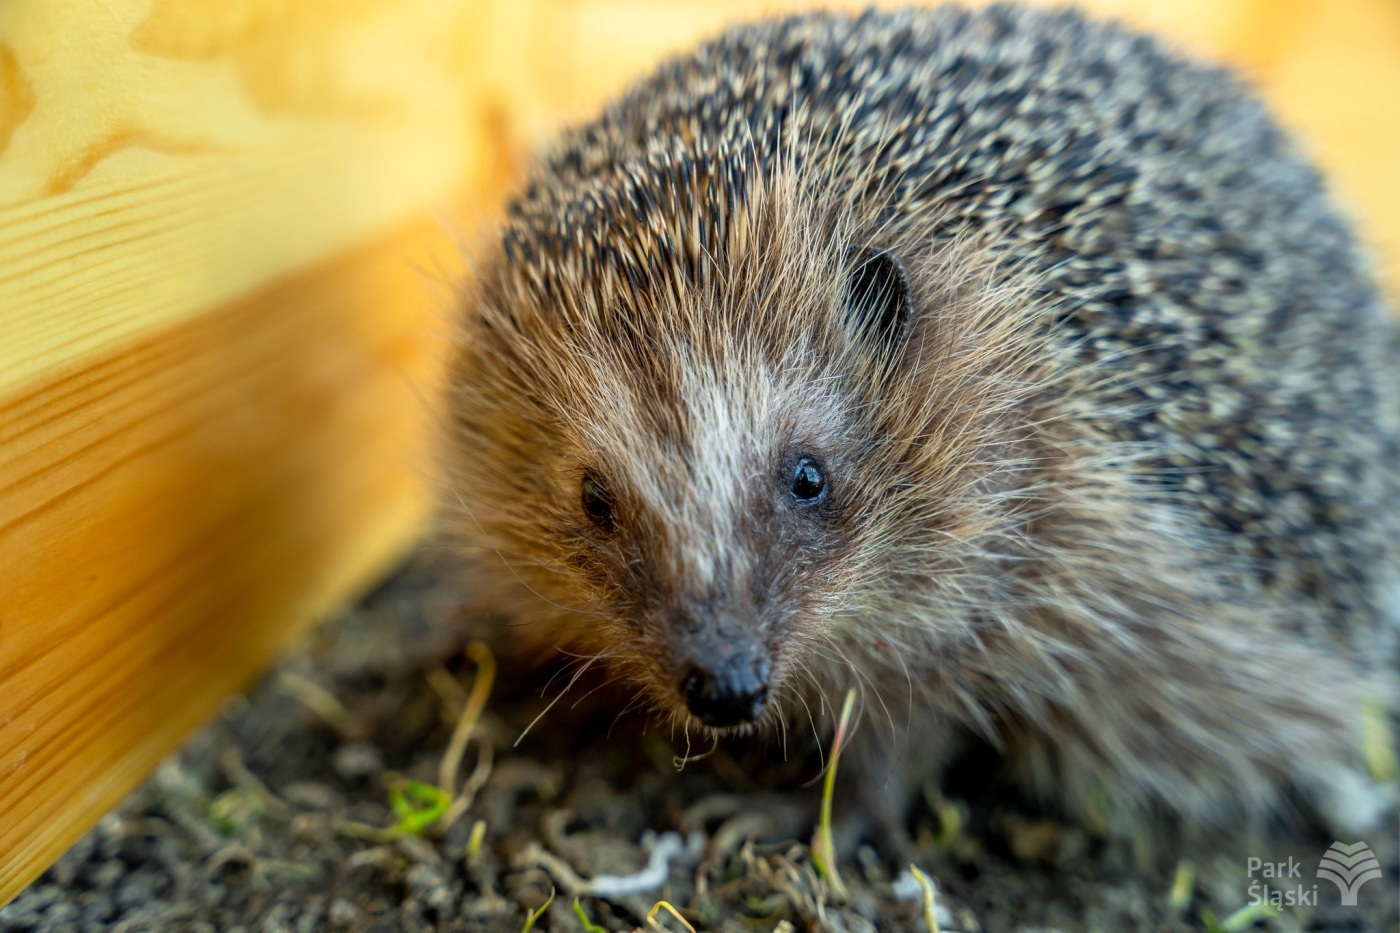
x=732 y=486
x=706 y=498
x=710 y=550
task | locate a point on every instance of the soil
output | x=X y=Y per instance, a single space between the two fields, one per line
x=276 y=817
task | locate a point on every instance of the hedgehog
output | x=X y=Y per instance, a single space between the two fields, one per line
x=1001 y=365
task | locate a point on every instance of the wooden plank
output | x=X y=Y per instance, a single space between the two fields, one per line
x=170 y=514
x=212 y=414
x=157 y=160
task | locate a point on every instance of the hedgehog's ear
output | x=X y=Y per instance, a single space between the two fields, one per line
x=878 y=303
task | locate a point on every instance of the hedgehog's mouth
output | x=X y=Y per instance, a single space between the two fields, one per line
x=716 y=734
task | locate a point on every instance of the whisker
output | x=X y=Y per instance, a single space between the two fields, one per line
x=607 y=683
x=571 y=682
x=637 y=699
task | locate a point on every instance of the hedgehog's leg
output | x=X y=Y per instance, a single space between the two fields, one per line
x=1160 y=674
x=1204 y=710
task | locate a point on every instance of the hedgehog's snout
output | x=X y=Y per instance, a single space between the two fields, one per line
x=727 y=691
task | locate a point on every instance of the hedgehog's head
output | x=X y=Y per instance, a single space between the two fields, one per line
x=693 y=433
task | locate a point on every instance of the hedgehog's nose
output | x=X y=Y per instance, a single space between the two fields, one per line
x=725 y=698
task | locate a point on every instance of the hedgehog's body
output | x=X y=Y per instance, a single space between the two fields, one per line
x=995 y=360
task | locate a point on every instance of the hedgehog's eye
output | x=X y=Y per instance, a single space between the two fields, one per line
x=808 y=481
x=597 y=503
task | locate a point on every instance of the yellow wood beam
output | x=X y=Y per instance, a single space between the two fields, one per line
x=159 y=159
x=170 y=514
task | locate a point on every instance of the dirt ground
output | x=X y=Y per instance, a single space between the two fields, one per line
x=275 y=818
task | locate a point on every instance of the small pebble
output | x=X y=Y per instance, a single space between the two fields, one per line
x=428 y=884
x=311 y=795
x=357 y=761
x=343 y=913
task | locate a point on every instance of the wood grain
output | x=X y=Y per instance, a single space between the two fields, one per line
x=165 y=158
x=177 y=510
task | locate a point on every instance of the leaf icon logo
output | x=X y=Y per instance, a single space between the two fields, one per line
x=1349 y=867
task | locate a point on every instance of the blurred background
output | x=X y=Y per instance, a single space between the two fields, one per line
x=228 y=235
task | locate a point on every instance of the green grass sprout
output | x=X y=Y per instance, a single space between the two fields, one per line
x=1183 y=883
x=588 y=925
x=666 y=906
x=317 y=699
x=474 y=841
x=456 y=747
x=950 y=818
x=1377 y=744
x=421 y=806
x=232 y=810
x=536 y=915
x=930 y=904
x=823 y=848
x=471 y=714
x=417 y=804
